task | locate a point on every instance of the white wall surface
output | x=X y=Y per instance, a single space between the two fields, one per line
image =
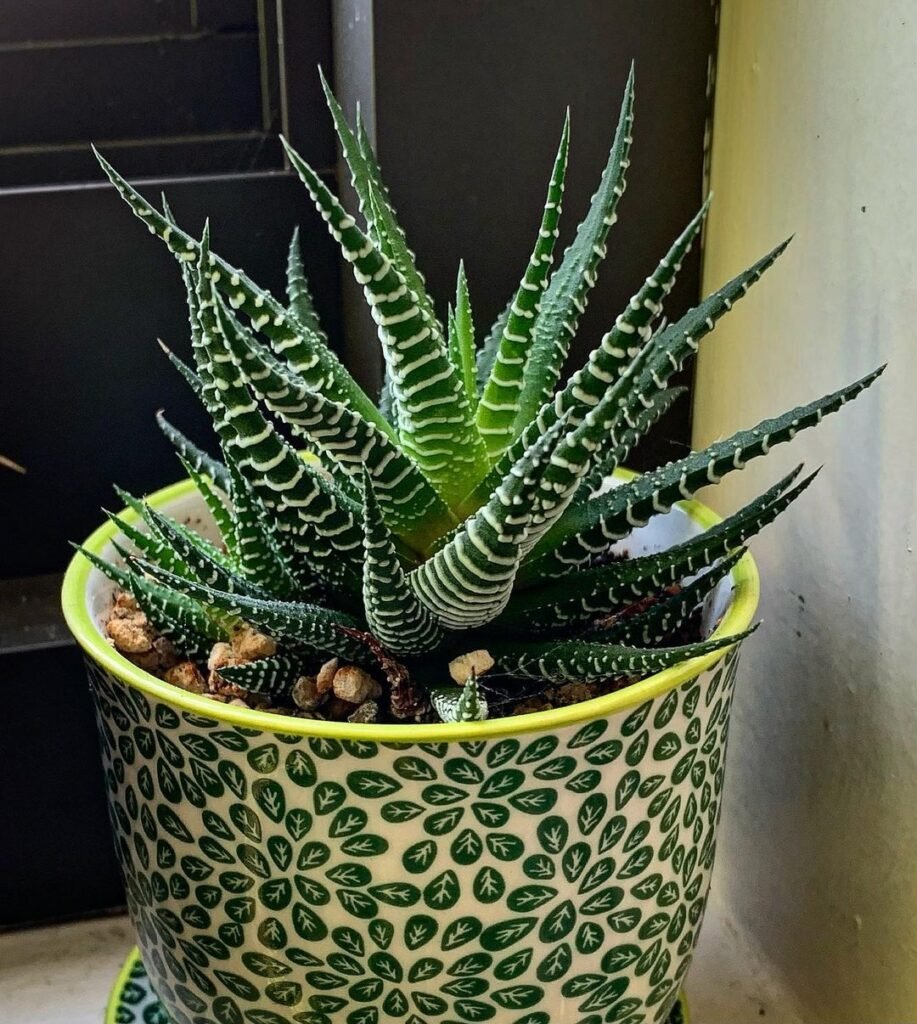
x=816 y=133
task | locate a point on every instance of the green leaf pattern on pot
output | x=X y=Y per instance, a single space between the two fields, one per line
x=275 y=879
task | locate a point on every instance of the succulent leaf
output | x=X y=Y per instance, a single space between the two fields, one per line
x=567 y=661
x=393 y=611
x=299 y=346
x=257 y=543
x=194 y=456
x=566 y=296
x=309 y=624
x=410 y=504
x=487 y=353
x=590 y=593
x=197 y=561
x=221 y=512
x=631 y=330
x=593 y=527
x=143 y=513
x=272 y=676
x=461 y=336
x=500 y=399
x=648 y=374
x=311 y=517
x=375 y=204
x=299 y=296
x=460 y=703
x=434 y=416
x=468 y=582
x=669 y=614
x=191 y=628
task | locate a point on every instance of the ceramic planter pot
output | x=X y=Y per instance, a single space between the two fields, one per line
x=551 y=868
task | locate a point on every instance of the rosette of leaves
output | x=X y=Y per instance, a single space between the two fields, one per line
x=469 y=508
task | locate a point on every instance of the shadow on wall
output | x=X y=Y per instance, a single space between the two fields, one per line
x=816 y=745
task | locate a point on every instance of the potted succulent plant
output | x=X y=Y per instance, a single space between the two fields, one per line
x=427 y=722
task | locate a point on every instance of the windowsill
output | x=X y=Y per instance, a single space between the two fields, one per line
x=63 y=974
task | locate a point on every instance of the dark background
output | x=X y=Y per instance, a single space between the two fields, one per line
x=466 y=100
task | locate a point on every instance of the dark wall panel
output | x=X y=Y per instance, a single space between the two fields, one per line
x=57 y=858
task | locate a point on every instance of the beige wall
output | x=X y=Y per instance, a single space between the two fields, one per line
x=816 y=133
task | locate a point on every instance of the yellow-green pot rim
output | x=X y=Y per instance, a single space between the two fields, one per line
x=738 y=617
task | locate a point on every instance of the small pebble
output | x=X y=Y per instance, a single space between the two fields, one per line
x=185 y=676
x=368 y=711
x=131 y=634
x=305 y=694
x=220 y=656
x=248 y=644
x=353 y=684
x=325 y=678
x=474 y=663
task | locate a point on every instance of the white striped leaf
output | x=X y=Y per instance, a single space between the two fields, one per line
x=191 y=628
x=591 y=528
x=460 y=703
x=274 y=676
x=499 y=404
x=309 y=624
x=394 y=613
x=669 y=614
x=581 y=661
x=663 y=355
x=309 y=515
x=567 y=294
x=434 y=416
x=299 y=296
x=411 y=506
x=305 y=352
x=461 y=336
x=468 y=582
x=591 y=593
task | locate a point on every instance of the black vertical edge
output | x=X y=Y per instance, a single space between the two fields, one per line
x=354 y=82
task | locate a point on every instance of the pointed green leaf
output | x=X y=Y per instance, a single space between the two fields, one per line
x=300 y=346
x=461 y=336
x=592 y=593
x=195 y=457
x=298 y=295
x=468 y=581
x=394 y=613
x=580 y=660
x=667 y=615
x=312 y=517
x=460 y=703
x=307 y=624
x=592 y=527
x=434 y=416
x=410 y=504
x=176 y=616
x=567 y=293
x=499 y=404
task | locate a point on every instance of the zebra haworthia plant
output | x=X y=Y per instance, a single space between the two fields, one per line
x=466 y=511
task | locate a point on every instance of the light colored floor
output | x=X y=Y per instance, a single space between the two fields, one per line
x=62 y=975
